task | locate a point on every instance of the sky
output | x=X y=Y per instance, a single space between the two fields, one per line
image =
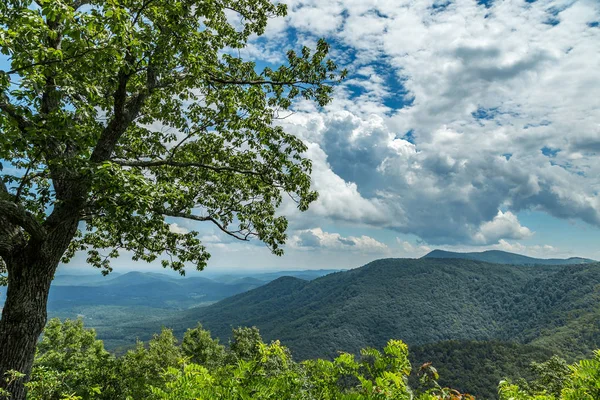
x=464 y=125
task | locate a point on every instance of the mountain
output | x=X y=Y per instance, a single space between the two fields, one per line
x=542 y=309
x=144 y=289
x=156 y=289
x=265 y=277
x=504 y=257
x=105 y=302
x=421 y=301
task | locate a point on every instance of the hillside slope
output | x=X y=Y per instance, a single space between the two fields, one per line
x=419 y=301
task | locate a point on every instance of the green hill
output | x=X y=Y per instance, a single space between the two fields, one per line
x=419 y=301
x=449 y=310
x=503 y=257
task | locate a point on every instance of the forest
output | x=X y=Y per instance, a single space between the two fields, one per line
x=421 y=301
x=72 y=364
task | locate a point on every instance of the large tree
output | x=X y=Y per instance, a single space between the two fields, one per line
x=118 y=117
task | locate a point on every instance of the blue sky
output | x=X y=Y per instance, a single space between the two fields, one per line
x=463 y=125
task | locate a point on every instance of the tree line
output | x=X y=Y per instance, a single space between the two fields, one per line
x=72 y=364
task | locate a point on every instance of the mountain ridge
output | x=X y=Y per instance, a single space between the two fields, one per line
x=505 y=257
x=417 y=300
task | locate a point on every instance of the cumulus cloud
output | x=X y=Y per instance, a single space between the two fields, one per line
x=412 y=250
x=543 y=251
x=175 y=228
x=316 y=238
x=454 y=113
x=504 y=225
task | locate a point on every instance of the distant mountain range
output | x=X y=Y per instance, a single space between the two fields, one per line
x=504 y=257
x=157 y=289
x=105 y=302
x=143 y=289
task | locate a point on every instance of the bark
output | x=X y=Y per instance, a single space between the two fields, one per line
x=23 y=319
x=31 y=268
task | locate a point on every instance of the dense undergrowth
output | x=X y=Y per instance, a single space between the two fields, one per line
x=72 y=364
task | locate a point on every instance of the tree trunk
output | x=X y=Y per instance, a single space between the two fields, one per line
x=23 y=320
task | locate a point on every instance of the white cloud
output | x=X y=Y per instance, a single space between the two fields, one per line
x=412 y=250
x=175 y=228
x=316 y=238
x=504 y=225
x=542 y=251
x=492 y=87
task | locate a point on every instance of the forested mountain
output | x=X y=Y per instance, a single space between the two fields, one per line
x=421 y=302
x=503 y=257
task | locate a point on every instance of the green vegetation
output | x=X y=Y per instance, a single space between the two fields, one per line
x=477 y=366
x=121 y=118
x=71 y=364
x=544 y=310
x=107 y=302
x=421 y=301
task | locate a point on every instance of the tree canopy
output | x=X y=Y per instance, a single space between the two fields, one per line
x=129 y=112
x=119 y=117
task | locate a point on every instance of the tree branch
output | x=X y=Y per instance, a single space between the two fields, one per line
x=171 y=163
x=204 y=219
x=55 y=61
x=16 y=214
x=12 y=112
x=232 y=81
x=125 y=110
x=139 y=13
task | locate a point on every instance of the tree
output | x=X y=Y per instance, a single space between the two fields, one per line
x=120 y=117
x=201 y=348
x=71 y=361
x=143 y=366
x=245 y=343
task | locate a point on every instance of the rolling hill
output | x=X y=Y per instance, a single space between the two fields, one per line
x=419 y=301
x=503 y=257
x=546 y=308
x=145 y=289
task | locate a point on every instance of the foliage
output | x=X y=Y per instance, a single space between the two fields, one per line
x=546 y=310
x=143 y=366
x=478 y=366
x=582 y=382
x=551 y=377
x=70 y=360
x=549 y=309
x=422 y=301
x=120 y=117
x=87 y=88
x=72 y=364
x=201 y=348
x=245 y=343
